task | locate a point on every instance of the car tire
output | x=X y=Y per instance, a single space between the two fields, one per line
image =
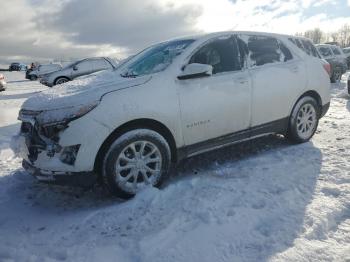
x=33 y=77
x=303 y=121
x=336 y=76
x=61 y=80
x=136 y=159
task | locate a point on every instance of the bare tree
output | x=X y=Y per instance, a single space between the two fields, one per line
x=344 y=35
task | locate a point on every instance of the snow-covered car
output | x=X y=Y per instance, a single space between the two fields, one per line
x=2 y=82
x=80 y=68
x=336 y=58
x=173 y=100
x=34 y=74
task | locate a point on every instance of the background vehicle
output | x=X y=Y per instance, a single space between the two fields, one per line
x=80 y=68
x=173 y=100
x=336 y=58
x=2 y=82
x=42 y=70
x=17 y=67
x=346 y=51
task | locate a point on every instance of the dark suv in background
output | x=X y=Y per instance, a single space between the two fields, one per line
x=336 y=58
x=346 y=51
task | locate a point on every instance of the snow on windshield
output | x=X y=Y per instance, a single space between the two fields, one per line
x=156 y=58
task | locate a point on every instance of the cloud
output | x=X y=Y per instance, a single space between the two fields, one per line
x=46 y=29
x=129 y=24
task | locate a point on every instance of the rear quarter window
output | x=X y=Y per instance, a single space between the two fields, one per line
x=306 y=46
x=266 y=50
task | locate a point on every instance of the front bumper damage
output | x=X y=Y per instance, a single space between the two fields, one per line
x=42 y=154
x=83 y=179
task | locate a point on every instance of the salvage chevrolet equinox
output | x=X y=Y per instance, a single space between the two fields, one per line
x=171 y=101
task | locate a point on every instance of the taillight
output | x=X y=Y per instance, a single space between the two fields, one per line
x=327 y=67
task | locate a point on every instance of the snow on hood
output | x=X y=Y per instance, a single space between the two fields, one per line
x=81 y=91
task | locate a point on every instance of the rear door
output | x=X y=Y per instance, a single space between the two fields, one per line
x=100 y=64
x=278 y=78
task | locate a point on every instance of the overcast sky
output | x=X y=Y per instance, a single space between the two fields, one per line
x=63 y=29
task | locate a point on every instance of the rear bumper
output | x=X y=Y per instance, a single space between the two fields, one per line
x=83 y=179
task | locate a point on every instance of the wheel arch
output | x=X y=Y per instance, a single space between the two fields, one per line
x=313 y=94
x=147 y=123
x=66 y=77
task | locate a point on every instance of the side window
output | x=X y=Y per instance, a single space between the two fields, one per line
x=84 y=66
x=100 y=64
x=325 y=51
x=221 y=53
x=265 y=50
x=309 y=48
x=335 y=50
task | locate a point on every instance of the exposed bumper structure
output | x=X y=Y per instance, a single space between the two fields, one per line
x=61 y=178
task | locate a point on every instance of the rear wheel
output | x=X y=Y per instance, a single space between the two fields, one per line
x=304 y=120
x=137 y=159
x=61 y=80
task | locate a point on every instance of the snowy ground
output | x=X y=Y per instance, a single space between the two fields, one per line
x=264 y=200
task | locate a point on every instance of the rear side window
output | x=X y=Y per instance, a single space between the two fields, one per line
x=325 y=51
x=266 y=50
x=221 y=54
x=306 y=46
x=335 y=50
x=100 y=64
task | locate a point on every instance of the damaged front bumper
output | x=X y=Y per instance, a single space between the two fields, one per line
x=45 y=156
x=61 y=178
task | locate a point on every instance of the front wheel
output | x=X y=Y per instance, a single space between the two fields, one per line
x=137 y=159
x=33 y=77
x=304 y=120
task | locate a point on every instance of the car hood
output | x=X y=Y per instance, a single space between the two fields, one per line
x=82 y=91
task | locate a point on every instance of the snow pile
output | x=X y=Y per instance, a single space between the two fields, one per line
x=81 y=91
x=263 y=200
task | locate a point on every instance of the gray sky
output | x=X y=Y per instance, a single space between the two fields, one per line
x=47 y=29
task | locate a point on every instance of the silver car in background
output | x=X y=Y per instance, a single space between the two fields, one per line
x=80 y=68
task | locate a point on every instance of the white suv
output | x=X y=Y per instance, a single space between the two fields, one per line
x=171 y=101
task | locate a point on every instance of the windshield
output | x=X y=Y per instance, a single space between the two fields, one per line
x=346 y=51
x=154 y=59
x=325 y=51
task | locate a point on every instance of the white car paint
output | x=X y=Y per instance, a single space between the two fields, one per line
x=193 y=110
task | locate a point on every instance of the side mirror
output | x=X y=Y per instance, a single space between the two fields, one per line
x=75 y=68
x=195 y=71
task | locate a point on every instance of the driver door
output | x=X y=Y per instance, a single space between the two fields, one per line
x=217 y=105
x=85 y=67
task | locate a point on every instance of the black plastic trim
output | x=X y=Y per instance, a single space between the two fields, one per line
x=277 y=127
x=325 y=109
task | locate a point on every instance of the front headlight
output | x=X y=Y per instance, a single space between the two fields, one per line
x=64 y=115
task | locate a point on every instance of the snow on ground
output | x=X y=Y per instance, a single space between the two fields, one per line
x=264 y=200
